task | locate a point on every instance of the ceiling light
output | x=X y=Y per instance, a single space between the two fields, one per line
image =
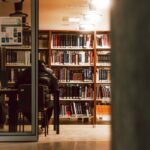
x=74 y=19
x=90 y=15
x=87 y=27
x=102 y=4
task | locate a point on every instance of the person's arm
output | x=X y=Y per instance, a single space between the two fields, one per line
x=53 y=79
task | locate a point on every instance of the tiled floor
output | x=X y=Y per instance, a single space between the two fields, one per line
x=78 y=133
x=71 y=137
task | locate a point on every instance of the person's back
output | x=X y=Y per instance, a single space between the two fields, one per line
x=45 y=77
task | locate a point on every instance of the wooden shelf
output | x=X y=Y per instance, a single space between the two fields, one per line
x=71 y=65
x=97 y=44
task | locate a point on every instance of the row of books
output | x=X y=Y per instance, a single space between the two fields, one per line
x=18 y=57
x=23 y=57
x=76 y=109
x=27 y=38
x=72 y=57
x=42 y=36
x=103 y=91
x=68 y=74
x=103 y=58
x=72 y=40
x=76 y=91
x=103 y=40
x=103 y=74
x=43 y=44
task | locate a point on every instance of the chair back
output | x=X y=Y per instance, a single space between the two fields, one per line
x=24 y=92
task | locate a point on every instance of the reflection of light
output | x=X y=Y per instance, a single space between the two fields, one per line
x=74 y=19
x=84 y=26
x=100 y=4
x=91 y=15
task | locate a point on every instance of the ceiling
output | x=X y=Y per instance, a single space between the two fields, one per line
x=54 y=14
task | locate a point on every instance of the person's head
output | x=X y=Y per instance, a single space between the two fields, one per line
x=41 y=65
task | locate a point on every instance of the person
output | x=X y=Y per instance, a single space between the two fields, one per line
x=47 y=77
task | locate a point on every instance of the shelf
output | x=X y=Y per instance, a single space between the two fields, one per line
x=104 y=100
x=18 y=48
x=76 y=82
x=72 y=48
x=103 y=117
x=103 y=64
x=76 y=99
x=103 y=82
x=43 y=48
x=17 y=65
x=71 y=65
x=103 y=48
x=74 y=116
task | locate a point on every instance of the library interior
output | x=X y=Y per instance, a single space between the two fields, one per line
x=72 y=39
x=74 y=74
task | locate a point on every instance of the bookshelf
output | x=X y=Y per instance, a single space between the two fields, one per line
x=43 y=51
x=72 y=59
x=81 y=62
x=17 y=58
x=103 y=75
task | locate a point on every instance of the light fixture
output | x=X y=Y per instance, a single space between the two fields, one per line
x=90 y=16
x=99 y=4
x=92 y=6
x=73 y=19
x=86 y=26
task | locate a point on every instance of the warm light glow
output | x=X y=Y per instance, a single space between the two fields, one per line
x=87 y=27
x=91 y=15
x=74 y=19
x=102 y=4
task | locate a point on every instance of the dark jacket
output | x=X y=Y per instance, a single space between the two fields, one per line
x=45 y=77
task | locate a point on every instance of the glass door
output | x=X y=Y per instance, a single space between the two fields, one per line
x=18 y=70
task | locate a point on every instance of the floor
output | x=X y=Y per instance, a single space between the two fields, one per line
x=71 y=137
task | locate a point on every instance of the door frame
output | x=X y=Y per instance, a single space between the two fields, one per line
x=31 y=136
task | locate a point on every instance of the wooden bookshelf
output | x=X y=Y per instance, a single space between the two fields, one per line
x=16 y=58
x=82 y=64
x=103 y=76
x=72 y=59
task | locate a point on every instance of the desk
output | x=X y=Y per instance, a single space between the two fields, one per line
x=12 y=103
x=13 y=114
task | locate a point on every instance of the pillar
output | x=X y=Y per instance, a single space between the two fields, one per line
x=130 y=25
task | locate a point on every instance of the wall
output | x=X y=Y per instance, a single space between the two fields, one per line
x=51 y=14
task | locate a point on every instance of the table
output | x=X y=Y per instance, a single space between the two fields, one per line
x=13 y=114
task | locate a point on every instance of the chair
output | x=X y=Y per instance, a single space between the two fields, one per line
x=24 y=94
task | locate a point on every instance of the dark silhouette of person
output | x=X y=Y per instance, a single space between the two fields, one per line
x=47 y=77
